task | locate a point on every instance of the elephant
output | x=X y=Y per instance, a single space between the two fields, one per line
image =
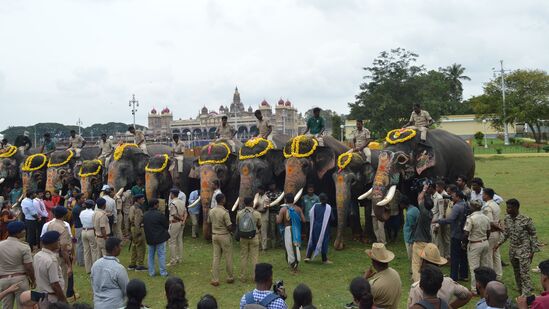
x=10 y=162
x=216 y=163
x=127 y=164
x=406 y=160
x=355 y=173
x=33 y=172
x=259 y=165
x=161 y=175
x=92 y=177
x=63 y=167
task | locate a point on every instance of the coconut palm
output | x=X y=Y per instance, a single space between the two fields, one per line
x=455 y=74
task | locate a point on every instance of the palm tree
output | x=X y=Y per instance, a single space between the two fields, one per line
x=455 y=74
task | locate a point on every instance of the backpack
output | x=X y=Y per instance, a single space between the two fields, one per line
x=246 y=225
x=262 y=304
x=427 y=305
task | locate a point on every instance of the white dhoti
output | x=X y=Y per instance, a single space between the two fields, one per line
x=318 y=137
x=422 y=131
x=292 y=252
x=76 y=151
x=143 y=147
x=368 y=154
x=179 y=159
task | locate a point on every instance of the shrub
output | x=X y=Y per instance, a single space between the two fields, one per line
x=479 y=136
x=546 y=148
x=499 y=150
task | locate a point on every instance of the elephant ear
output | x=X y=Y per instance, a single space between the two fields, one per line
x=195 y=170
x=324 y=159
x=424 y=160
x=276 y=159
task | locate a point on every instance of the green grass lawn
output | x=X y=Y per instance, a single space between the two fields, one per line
x=526 y=179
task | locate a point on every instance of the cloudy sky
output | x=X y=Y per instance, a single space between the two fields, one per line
x=61 y=60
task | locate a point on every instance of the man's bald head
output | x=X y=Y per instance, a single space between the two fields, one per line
x=496 y=294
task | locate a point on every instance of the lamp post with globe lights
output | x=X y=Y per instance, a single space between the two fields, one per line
x=342 y=127
x=485 y=138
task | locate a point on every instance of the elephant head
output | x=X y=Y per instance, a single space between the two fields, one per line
x=91 y=174
x=33 y=172
x=158 y=178
x=354 y=174
x=306 y=161
x=127 y=165
x=401 y=161
x=259 y=165
x=61 y=170
x=10 y=160
x=216 y=164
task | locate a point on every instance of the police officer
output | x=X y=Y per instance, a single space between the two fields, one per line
x=76 y=143
x=226 y=132
x=420 y=120
x=47 y=271
x=477 y=231
x=101 y=227
x=361 y=136
x=523 y=243
x=222 y=226
x=106 y=147
x=139 y=138
x=15 y=264
x=137 y=234
x=178 y=216
x=65 y=241
x=178 y=152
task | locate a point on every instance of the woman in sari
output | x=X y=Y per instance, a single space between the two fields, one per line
x=6 y=216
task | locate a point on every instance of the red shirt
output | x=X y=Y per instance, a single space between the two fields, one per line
x=541 y=302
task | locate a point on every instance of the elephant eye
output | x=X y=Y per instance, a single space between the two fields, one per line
x=402 y=159
x=305 y=165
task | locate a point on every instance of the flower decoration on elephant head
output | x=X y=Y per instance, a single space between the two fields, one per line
x=66 y=160
x=119 y=151
x=255 y=148
x=301 y=146
x=400 y=135
x=161 y=159
x=34 y=162
x=214 y=153
x=88 y=165
x=8 y=152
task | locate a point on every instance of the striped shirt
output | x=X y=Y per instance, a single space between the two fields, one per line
x=259 y=295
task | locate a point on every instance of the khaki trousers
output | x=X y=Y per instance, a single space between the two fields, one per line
x=175 y=242
x=127 y=226
x=478 y=254
x=422 y=131
x=64 y=272
x=101 y=251
x=90 y=249
x=264 y=230
x=495 y=255
x=442 y=239
x=194 y=222
x=417 y=248
x=137 y=256
x=222 y=245
x=379 y=230
x=8 y=300
x=409 y=253
x=117 y=226
x=249 y=253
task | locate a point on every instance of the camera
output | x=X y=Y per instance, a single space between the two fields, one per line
x=417 y=184
x=278 y=285
x=446 y=197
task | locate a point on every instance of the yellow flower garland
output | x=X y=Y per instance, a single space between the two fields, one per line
x=119 y=151
x=253 y=142
x=160 y=169
x=294 y=151
x=9 y=152
x=348 y=157
x=27 y=166
x=69 y=157
x=99 y=166
x=221 y=161
x=393 y=136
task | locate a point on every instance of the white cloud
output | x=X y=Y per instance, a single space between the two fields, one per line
x=66 y=59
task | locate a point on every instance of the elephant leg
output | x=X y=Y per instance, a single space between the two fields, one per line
x=368 y=222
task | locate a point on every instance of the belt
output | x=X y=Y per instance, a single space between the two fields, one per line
x=220 y=234
x=476 y=241
x=12 y=275
x=88 y=229
x=175 y=221
x=104 y=237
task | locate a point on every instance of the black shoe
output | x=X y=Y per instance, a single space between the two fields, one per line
x=351 y=305
x=141 y=268
x=131 y=267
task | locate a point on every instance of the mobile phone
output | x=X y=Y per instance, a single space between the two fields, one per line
x=37 y=296
x=530 y=299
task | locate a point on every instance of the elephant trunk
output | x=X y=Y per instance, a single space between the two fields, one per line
x=343 y=199
x=296 y=179
x=151 y=186
x=114 y=178
x=86 y=186
x=384 y=186
x=207 y=177
x=247 y=187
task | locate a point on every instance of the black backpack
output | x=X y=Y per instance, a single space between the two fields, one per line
x=427 y=305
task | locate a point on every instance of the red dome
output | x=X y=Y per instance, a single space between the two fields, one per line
x=165 y=110
x=280 y=102
x=264 y=103
x=288 y=103
x=153 y=111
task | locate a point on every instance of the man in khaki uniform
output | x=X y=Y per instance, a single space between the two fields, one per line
x=47 y=270
x=106 y=147
x=76 y=143
x=139 y=138
x=477 y=231
x=178 y=217
x=361 y=136
x=226 y=132
x=492 y=210
x=178 y=152
x=249 y=247
x=450 y=290
x=420 y=120
x=88 y=235
x=263 y=203
x=222 y=226
x=65 y=241
x=101 y=227
x=385 y=281
x=137 y=257
x=15 y=264
x=263 y=126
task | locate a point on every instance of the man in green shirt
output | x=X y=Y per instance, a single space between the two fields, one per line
x=309 y=200
x=138 y=188
x=315 y=126
x=48 y=145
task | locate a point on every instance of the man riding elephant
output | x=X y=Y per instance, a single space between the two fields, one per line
x=420 y=120
x=76 y=143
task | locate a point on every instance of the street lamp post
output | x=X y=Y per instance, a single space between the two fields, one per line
x=485 y=141
x=505 y=129
x=133 y=103
x=79 y=124
x=342 y=127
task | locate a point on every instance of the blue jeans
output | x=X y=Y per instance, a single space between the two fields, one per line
x=161 y=250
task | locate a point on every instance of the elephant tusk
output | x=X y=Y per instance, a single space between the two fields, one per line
x=389 y=197
x=235 y=204
x=2 y=180
x=256 y=199
x=117 y=195
x=366 y=195
x=278 y=199
x=298 y=195
x=193 y=204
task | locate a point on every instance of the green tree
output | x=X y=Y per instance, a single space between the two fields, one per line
x=337 y=121
x=393 y=84
x=454 y=73
x=526 y=97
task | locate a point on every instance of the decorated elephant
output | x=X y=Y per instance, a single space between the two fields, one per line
x=63 y=167
x=260 y=164
x=10 y=162
x=92 y=176
x=127 y=164
x=355 y=173
x=216 y=163
x=33 y=172
x=405 y=160
x=161 y=174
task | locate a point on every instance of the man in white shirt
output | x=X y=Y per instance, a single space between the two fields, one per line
x=31 y=220
x=88 y=235
x=216 y=186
